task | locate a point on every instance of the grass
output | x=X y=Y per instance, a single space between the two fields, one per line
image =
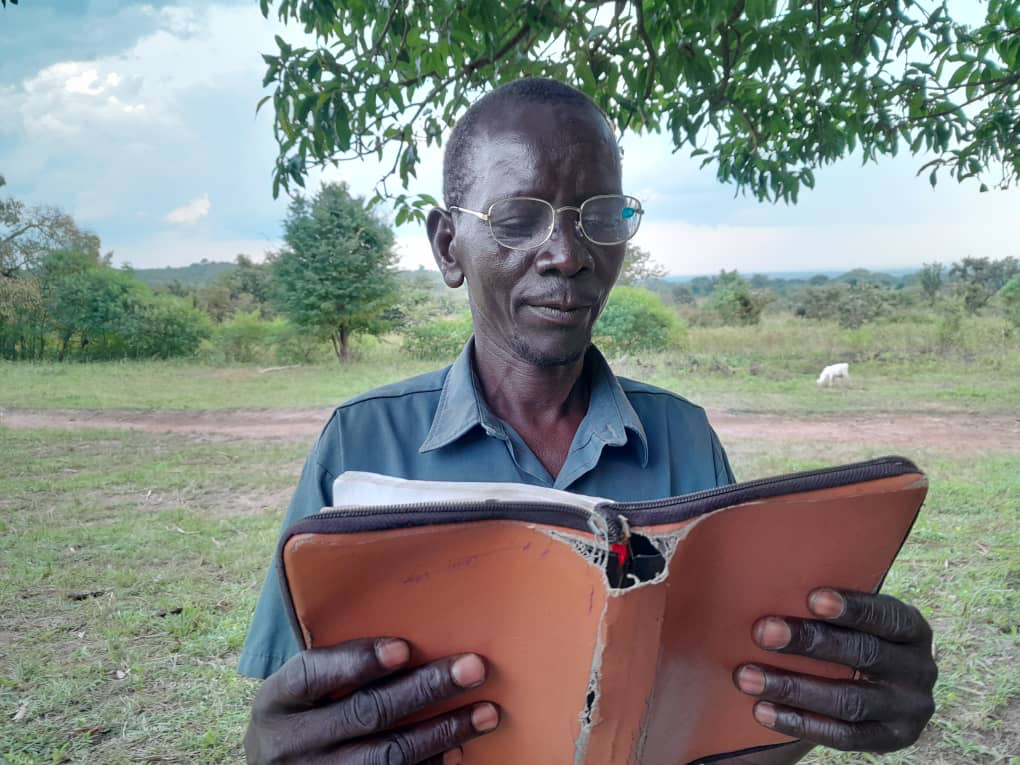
x=132 y=563
x=770 y=368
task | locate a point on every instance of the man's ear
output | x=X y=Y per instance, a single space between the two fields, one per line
x=440 y=230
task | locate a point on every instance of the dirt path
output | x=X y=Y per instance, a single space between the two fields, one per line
x=958 y=432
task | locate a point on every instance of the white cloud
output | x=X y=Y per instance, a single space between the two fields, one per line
x=192 y=212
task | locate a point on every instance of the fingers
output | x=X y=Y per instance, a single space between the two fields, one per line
x=316 y=674
x=843 y=700
x=863 y=736
x=381 y=705
x=439 y=738
x=852 y=648
x=880 y=615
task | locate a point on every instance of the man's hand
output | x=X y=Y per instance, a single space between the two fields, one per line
x=889 y=701
x=339 y=705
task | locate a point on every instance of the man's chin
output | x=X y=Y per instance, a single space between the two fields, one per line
x=554 y=355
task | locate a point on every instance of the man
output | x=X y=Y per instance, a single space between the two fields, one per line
x=536 y=225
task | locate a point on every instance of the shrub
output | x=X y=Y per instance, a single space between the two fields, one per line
x=244 y=337
x=849 y=306
x=950 y=324
x=1009 y=297
x=167 y=326
x=440 y=338
x=637 y=320
x=735 y=302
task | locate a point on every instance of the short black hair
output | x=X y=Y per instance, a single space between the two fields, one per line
x=456 y=166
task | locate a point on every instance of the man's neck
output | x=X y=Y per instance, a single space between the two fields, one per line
x=545 y=405
x=517 y=391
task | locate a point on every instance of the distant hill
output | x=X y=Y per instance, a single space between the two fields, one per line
x=890 y=275
x=195 y=275
x=200 y=274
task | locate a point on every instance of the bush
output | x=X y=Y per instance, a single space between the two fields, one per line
x=245 y=337
x=440 y=338
x=167 y=326
x=850 y=307
x=1009 y=298
x=637 y=320
x=735 y=302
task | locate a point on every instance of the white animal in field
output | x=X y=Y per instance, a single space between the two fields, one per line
x=834 y=372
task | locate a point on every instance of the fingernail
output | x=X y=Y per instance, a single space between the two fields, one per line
x=827 y=603
x=468 y=671
x=765 y=714
x=454 y=757
x=484 y=718
x=750 y=680
x=772 y=632
x=392 y=653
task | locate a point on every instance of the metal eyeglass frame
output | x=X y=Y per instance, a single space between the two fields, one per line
x=485 y=216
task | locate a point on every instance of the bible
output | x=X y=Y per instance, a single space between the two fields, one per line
x=610 y=630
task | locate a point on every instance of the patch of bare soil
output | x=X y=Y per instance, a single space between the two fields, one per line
x=969 y=433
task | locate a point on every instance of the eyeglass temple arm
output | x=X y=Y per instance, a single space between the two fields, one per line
x=479 y=215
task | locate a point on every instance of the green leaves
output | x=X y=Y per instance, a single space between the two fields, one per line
x=768 y=91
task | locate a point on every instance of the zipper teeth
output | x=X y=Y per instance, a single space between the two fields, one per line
x=652 y=504
x=457 y=506
x=610 y=518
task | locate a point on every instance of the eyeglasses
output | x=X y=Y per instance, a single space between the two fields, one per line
x=523 y=223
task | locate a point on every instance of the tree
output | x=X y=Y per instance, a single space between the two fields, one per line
x=1009 y=296
x=28 y=233
x=931 y=280
x=978 y=279
x=849 y=306
x=735 y=302
x=22 y=318
x=764 y=92
x=335 y=274
x=639 y=267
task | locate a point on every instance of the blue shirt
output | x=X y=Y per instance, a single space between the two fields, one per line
x=636 y=442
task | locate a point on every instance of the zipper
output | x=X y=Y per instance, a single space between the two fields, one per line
x=600 y=521
x=643 y=512
x=610 y=521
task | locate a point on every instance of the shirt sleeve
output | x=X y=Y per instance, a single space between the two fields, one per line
x=270 y=640
x=723 y=472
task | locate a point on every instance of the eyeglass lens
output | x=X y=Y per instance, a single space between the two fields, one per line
x=521 y=223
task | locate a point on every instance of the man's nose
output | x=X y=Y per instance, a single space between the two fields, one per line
x=566 y=251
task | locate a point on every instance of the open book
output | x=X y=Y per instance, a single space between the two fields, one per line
x=610 y=630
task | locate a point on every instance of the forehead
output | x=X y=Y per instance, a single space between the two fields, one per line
x=558 y=152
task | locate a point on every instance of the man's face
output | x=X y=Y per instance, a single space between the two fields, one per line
x=539 y=305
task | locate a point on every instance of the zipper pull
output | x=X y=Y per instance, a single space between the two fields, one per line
x=618 y=540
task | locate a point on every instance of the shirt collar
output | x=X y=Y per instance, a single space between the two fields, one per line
x=462 y=406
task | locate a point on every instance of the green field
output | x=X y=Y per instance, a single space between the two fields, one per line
x=132 y=560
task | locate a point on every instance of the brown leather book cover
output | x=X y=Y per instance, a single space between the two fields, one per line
x=610 y=630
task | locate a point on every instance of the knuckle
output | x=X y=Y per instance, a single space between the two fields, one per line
x=295 y=676
x=851 y=706
x=783 y=687
x=367 y=710
x=866 y=652
x=396 y=750
x=446 y=731
x=430 y=682
x=811 y=636
x=841 y=737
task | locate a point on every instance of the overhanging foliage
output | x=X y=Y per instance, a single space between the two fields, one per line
x=764 y=92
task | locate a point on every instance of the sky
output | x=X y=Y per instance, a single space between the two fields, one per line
x=138 y=118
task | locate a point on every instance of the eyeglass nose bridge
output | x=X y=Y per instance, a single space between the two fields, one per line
x=578 y=228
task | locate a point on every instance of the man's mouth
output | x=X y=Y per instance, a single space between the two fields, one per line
x=560 y=313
